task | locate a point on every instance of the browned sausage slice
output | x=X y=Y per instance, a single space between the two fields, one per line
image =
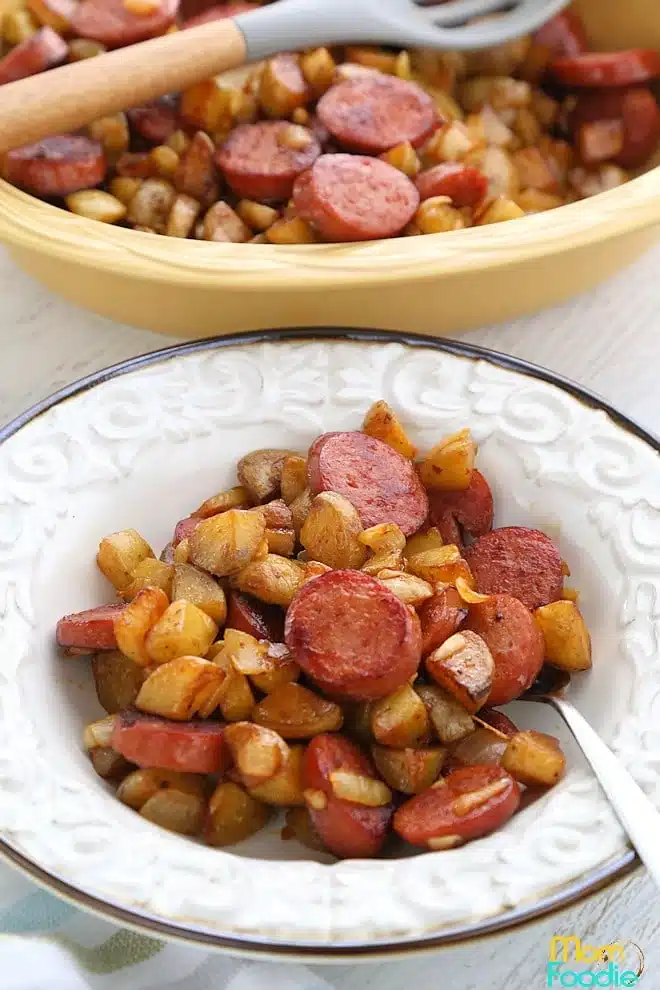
x=471 y=802
x=471 y=509
x=92 y=630
x=515 y=642
x=156 y=121
x=352 y=636
x=464 y=184
x=111 y=23
x=42 y=51
x=258 y=164
x=152 y=741
x=56 y=166
x=373 y=113
x=249 y=615
x=382 y=485
x=517 y=561
x=348 y=830
x=355 y=198
x=598 y=69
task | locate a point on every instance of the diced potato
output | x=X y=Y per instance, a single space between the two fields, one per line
x=318 y=67
x=291 y=230
x=183 y=630
x=247 y=654
x=260 y=473
x=450 y=720
x=17 y=26
x=123 y=188
x=192 y=585
x=534 y=759
x=357 y=721
x=359 y=789
x=444 y=565
x=109 y=764
x=208 y=105
x=55 y=14
x=119 y=554
x=498 y=167
x=183 y=215
x=480 y=746
x=382 y=423
x=149 y=573
x=500 y=92
x=117 y=679
x=234 y=815
x=141 y=785
x=464 y=667
x=95 y=204
x=172 y=800
x=113 y=133
x=436 y=215
x=409 y=589
x=257 y=216
x=232 y=498
x=449 y=465
x=293 y=478
x=222 y=223
x=500 y=60
x=286 y=787
x=235 y=697
x=387 y=561
x=372 y=58
x=383 y=538
x=300 y=507
x=259 y=753
x=451 y=143
x=331 y=532
x=299 y=826
x=400 y=719
x=181 y=552
x=225 y=543
x=535 y=201
x=567 y=640
x=151 y=205
x=281 y=541
x=403 y=157
x=99 y=733
x=133 y=624
x=409 y=771
x=273 y=579
x=295 y=712
x=282 y=86
x=177 y=689
x=283 y=669
x=430 y=539
x=165 y=160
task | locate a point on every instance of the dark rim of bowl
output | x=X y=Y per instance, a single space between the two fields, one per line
x=353 y=951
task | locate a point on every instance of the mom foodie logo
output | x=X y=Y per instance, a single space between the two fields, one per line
x=574 y=963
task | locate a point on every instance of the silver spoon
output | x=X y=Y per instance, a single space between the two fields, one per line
x=70 y=97
x=639 y=817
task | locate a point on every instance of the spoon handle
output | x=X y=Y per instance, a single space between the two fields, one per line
x=72 y=96
x=636 y=813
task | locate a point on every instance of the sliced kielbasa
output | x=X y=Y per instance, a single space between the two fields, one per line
x=153 y=742
x=44 y=50
x=515 y=642
x=353 y=636
x=258 y=164
x=249 y=615
x=440 y=617
x=452 y=813
x=155 y=122
x=622 y=68
x=185 y=528
x=381 y=484
x=92 y=630
x=348 y=830
x=470 y=509
x=517 y=561
x=464 y=184
x=373 y=113
x=634 y=107
x=231 y=9
x=111 y=23
x=56 y=166
x=563 y=35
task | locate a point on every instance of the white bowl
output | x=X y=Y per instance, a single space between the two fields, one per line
x=140 y=445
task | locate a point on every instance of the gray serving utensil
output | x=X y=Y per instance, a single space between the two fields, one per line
x=67 y=98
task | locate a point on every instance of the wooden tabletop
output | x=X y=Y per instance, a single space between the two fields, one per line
x=608 y=341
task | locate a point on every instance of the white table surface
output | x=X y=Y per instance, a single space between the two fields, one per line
x=607 y=340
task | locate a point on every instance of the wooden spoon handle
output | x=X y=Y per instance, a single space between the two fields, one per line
x=72 y=96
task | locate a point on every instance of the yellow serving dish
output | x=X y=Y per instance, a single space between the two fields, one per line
x=438 y=284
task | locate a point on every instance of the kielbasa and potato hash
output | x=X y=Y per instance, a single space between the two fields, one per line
x=337 y=145
x=332 y=636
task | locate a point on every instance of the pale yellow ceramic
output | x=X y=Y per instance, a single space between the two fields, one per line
x=439 y=283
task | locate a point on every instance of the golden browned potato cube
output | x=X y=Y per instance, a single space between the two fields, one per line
x=480 y=746
x=222 y=223
x=165 y=161
x=141 y=785
x=293 y=479
x=359 y=789
x=499 y=92
x=293 y=230
x=192 y=585
x=117 y=680
x=286 y=787
x=208 y=105
x=259 y=753
x=273 y=579
x=299 y=826
x=409 y=589
x=400 y=719
x=119 y=554
x=282 y=670
x=281 y=541
x=449 y=719
x=390 y=561
x=109 y=764
x=436 y=215
x=225 y=543
x=449 y=465
x=318 y=68
x=81 y=48
x=151 y=205
x=113 y=134
x=452 y=143
x=52 y=13
x=177 y=689
x=234 y=815
x=430 y=539
x=567 y=640
x=500 y=60
x=499 y=211
x=134 y=622
x=17 y=26
x=257 y=216
x=300 y=507
x=235 y=698
x=372 y=58
x=172 y=800
x=383 y=538
x=183 y=215
x=409 y=771
x=534 y=759
x=382 y=423
x=232 y=498
x=282 y=86
x=95 y=204
x=444 y=565
x=181 y=552
x=149 y=573
x=535 y=201
x=498 y=167
x=182 y=630
x=464 y=667
x=295 y=712
x=123 y=188
x=331 y=532
x=260 y=473
x=248 y=654
x=403 y=157
x=175 y=811
x=99 y=733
